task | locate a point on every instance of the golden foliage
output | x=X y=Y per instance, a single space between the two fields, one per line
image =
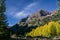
x=45 y=30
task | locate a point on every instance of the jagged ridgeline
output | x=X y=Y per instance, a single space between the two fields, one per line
x=37 y=19
x=51 y=27
x=31 y=22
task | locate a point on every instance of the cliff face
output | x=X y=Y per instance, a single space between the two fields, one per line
x=31 y=22
x=34 y=19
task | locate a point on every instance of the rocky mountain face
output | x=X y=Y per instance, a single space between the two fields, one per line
x=34 y=19
x=31 y=22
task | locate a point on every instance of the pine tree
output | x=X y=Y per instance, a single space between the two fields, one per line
x=58 y=4
x=3 y=21
x=57 y=15
x=58 y=11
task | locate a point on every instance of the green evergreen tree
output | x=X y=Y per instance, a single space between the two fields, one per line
x=3 y=21
x=56 y=17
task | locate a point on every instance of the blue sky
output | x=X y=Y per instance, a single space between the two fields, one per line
x=18 y=9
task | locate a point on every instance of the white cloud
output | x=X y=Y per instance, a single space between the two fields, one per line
x=20 y=14
x=24 y=12
x=30 y=5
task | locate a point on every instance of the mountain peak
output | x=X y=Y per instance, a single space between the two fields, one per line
x=32 y=19
x=37 y=19
x=44 y=13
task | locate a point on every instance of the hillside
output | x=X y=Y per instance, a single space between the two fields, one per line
x=39 y=18
x=35 y=19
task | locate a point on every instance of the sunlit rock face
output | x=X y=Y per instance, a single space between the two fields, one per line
x=38 y=18
x=35 y=19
